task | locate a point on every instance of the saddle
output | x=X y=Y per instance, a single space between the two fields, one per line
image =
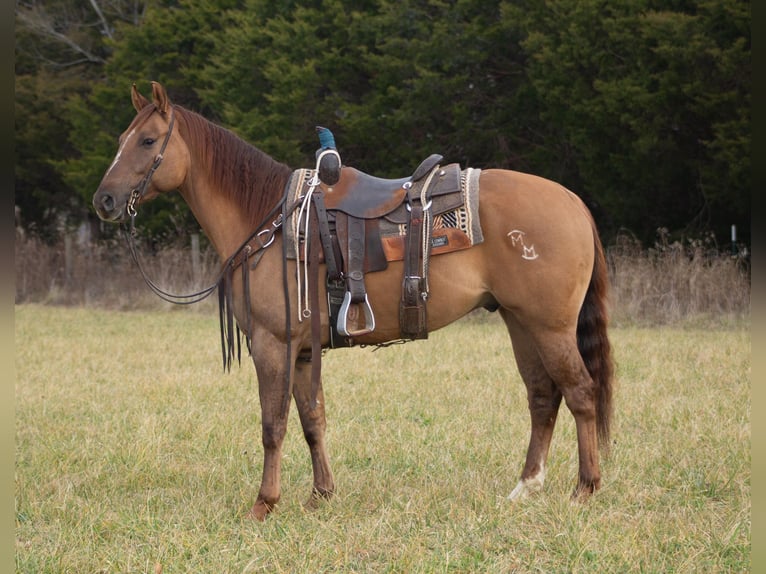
x=347 y=221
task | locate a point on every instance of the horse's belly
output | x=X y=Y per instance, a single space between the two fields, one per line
x=456 y=287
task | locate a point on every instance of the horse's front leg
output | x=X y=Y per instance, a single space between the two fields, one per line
x=314 y=425
x=271 y=364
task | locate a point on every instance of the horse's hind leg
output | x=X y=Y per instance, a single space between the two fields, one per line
x=544 y=400
x=314 y=425
x=565 y=365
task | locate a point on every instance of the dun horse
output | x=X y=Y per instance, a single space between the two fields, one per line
x=540 y=265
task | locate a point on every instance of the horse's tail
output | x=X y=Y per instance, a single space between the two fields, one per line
x=593 y=341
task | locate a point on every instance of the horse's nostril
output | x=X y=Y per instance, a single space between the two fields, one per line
x=107 y=202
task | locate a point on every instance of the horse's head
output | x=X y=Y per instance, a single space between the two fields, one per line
x=152 y=158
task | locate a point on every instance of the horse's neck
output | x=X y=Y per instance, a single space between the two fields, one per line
x=216 y=203
x=224 y=223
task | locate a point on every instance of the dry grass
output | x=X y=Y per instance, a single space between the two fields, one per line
x=103 y=274
x=670 y=284
x=134 y=450
x=676 y=282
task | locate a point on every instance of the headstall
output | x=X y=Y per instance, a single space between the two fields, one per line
x=138 y=192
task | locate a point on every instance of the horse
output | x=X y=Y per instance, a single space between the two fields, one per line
x=541 y=266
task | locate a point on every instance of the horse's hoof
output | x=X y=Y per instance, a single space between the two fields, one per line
x=317 y=495
x=584 y=491
x=259 y=511
x=527 y=487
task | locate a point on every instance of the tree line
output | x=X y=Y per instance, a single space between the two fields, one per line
x=642 y=107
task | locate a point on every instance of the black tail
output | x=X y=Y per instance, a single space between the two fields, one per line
x=593 y=341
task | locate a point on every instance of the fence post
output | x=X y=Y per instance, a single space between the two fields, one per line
x=68 y=258
x=195 y=257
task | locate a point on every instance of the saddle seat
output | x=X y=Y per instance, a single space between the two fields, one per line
x=361 y=195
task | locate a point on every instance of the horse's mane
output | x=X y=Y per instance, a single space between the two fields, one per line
x=252 y=178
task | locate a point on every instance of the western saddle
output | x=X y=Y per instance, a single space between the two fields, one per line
x=345 y=220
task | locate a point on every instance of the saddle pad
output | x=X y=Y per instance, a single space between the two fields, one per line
x=456 y=229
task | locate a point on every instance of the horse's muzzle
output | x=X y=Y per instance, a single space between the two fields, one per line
x=108 y=208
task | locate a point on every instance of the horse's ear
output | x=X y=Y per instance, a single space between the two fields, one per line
x=160 y=96
x=139 y=101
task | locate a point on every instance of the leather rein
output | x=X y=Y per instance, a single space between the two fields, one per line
x=247 y=255
x=130 y=233
x=136 y=194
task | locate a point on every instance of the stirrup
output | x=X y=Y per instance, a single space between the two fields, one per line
x=369 y=318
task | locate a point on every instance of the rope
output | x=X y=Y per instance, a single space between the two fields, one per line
x=304 y=305
x=427 y=231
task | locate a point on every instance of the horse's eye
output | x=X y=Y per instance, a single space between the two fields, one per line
x=148 y=142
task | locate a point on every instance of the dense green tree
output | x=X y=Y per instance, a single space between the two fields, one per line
x=279 y=68
x=642 y=106
x=444 y=77
x=638 y=101
x=46 y=203
x=394 y=80
x=171 y=45
x=61 y=46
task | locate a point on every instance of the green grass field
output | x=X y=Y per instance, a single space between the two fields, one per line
x=136 y=453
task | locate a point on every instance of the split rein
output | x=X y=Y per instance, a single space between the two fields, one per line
x=140 y=190
x=129 y=233
x=246 y=255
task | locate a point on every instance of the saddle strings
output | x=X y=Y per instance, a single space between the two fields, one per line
x=427 y=230
x=304 y=219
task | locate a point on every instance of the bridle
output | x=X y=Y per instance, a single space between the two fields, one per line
x=138 y=192
x=247 y=256
x=130 y=232
x=263 y=237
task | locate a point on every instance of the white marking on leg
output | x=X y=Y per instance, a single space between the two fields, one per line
x=529 y=486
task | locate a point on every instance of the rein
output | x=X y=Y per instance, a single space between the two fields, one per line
x=246 y=255
x=187 y=299
x=223 y=282
x=135 y=196
x=130 y=233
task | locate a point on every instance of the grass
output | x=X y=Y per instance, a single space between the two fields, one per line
x=688 y=282
x=135 y=453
